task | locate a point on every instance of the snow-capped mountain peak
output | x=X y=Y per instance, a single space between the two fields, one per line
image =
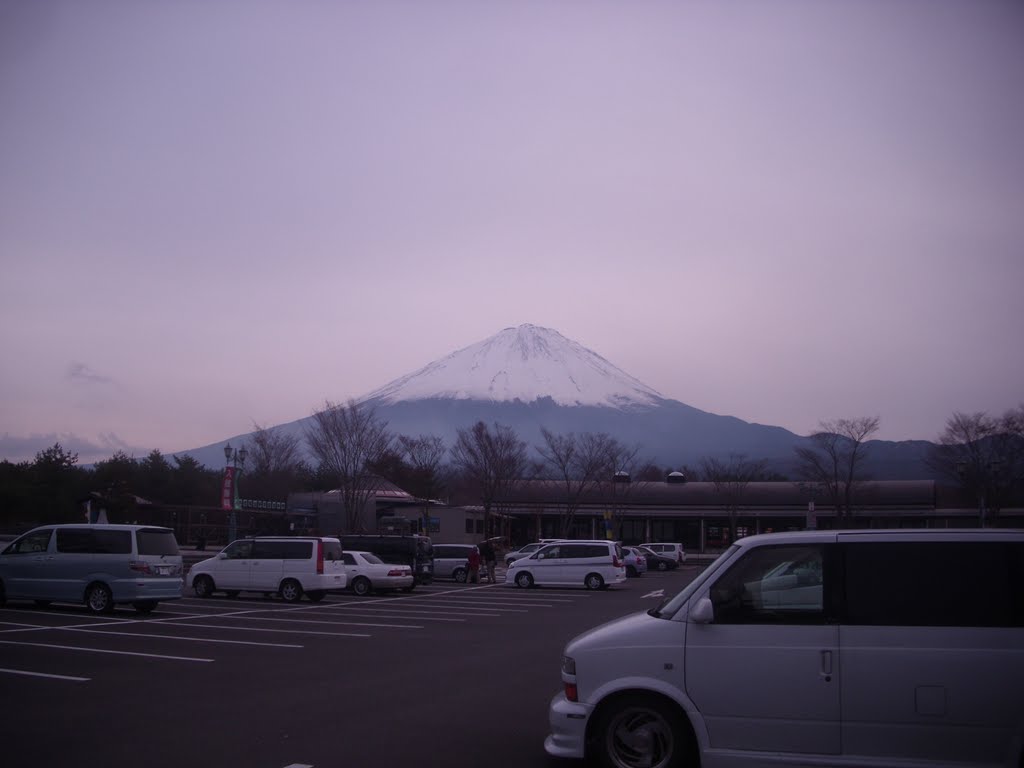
x=524 y=363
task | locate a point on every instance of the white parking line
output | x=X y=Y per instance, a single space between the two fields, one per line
x=111 y=633
x=285 y=631
x=43 y=674
x=105 y=650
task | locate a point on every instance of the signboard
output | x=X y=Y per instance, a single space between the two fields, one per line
x=227 y=489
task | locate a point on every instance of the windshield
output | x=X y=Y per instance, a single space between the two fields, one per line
x=671 y=605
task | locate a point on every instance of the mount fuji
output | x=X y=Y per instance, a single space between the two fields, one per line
x=531 y=377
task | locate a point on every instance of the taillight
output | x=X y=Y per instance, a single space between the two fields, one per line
x=571 y=693
x=616 y=563
x=399 y=572
x=319 y=555
x=140 y=567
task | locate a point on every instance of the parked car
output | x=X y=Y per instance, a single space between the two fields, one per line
x=290 y=566
x=99 y=565
x=403 y=549
x=529 y=549
x=678 y=551
x=450 y=561
x=635 y=561
x=593 y=564
x=656 y=562
x=366 y=572
x=825 y=648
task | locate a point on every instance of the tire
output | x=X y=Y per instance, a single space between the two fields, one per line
x=98 y=598
x=524 y=580
x=408 y=589
x=361 y=586
x=593 y=581
x=291 y=591
x=639 y=730
x=459 y=574
x=203 y=586
x=662 y=566
x=144 y=606
x=316 y=595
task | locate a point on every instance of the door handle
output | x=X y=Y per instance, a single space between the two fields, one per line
x=826 y=665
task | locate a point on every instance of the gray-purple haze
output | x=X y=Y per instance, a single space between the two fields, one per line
x=220 y=213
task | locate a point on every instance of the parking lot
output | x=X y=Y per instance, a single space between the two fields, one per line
x=449 y=674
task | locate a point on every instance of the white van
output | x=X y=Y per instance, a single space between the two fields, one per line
x=289 y=566
x=98 y=565
x=591 y=564
x=823 y=648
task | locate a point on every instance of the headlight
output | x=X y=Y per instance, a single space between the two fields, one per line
x=568 y=665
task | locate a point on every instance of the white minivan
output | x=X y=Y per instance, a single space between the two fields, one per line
x=821 y=648
x=570 y=563
x=290 y=566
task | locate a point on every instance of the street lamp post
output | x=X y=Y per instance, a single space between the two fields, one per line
x=235 y=462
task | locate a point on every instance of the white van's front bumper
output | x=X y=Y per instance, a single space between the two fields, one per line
x=568 y=722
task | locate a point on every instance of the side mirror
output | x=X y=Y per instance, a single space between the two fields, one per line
x=703 y=612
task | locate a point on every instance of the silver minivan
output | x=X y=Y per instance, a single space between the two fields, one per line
x=820 y=648
x=99 y=565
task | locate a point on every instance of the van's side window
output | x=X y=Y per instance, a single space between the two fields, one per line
x=239 y=550
x=75 y=540
x=957 y=584
x=33 y=542
x=781 y=585
x=112 y=542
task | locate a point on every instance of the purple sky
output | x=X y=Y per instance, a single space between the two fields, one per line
x=220 y=213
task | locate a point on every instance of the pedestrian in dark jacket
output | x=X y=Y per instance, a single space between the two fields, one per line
x=489 y=557
x=473 y=566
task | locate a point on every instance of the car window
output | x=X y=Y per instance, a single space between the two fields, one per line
x=934 y=584
x=36 y=541
x=348 y=558
x=781 y=584
x=114 y=542
x=154 y=541
x=75 y=540
x=332 y=550
x=238 y=550
x=548 y=553
x=372 y=558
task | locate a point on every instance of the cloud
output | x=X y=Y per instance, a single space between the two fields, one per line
x=81 y=372
x=18 y=448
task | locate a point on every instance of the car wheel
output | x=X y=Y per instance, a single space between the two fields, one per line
x=361 y=586
x=291 y=591
x=144 y=606
x=316 y=595
x=524 y=580
x=99 y=599
x=640 y=731
x=203 y=586
x=663 y=566
x=593 y=581
x=408 y=589
x=459 y=574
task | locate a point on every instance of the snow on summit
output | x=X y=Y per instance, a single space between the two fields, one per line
x=524 y=363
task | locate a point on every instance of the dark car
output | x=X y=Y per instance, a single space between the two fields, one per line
x=656 y=562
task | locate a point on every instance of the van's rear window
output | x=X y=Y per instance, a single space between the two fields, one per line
x=153 y=541
x=332 y=550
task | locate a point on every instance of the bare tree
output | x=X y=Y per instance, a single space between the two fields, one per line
x=579 y=464
x=616 y=481
x=274 y=463
x=985 y=454
x=491 y=461
x=423 y=455
x=835 y=463
x=345 y=439
x=730 y=478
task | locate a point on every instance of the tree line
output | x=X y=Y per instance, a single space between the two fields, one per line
x=354 y=453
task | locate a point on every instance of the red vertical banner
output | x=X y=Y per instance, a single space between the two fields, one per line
x=227 y=489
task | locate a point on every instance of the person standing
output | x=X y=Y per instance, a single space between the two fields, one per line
x=488 y=555
x=473 y=566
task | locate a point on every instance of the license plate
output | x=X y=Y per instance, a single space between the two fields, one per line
x=163 y=570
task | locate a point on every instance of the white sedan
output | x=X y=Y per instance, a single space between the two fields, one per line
x=367 y=572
